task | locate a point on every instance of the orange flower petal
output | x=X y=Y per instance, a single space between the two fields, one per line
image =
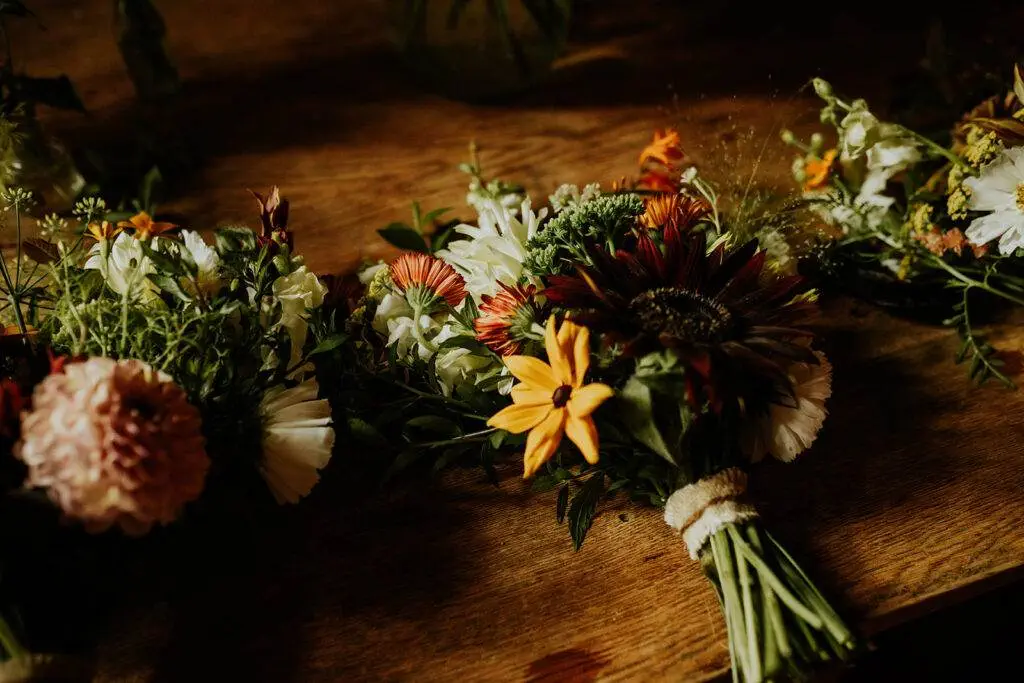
x=524 y=394
x=560 y=362
x=581 y=355
x=586 y=400
x=518 y=418
x=583 y=433
x=543 y=441
x=532 y=371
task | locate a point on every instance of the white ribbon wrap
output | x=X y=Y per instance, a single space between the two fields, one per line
x=702 y=508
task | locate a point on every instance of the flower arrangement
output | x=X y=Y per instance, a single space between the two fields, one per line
x=938 y=221
x=627 y=342
x=145 y=370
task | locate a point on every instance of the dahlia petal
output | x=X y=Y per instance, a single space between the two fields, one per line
x=518 y=418
x=532 y=371
x=586 y=400
x=543 y=441
x=583 y=433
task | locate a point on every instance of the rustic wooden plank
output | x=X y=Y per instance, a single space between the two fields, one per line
x=910 y=498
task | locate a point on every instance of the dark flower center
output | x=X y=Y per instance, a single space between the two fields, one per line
x=681 y=314
x=561 y=396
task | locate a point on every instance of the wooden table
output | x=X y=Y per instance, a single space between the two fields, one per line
x=910 y=500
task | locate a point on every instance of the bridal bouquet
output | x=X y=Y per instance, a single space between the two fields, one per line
x=146 y=370
x=929 y=222
x=627 y=342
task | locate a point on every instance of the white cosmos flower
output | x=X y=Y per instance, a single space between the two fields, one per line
x=124 y=266
x=999 y=190
x=206 y=259
x=788 y=431
x=496 y=246
x=297 y=439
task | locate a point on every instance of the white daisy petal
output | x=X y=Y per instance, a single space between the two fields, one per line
x=791 y=431
x=984 y=229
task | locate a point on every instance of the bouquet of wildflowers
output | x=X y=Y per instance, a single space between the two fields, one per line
x=626 y=342
x=146 y=370
x=938 y=222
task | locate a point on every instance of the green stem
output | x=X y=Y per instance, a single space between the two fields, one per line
x=472 y=436
x=976 y=283
x=730 y=628
x=766 y=574
x=9 y=642
x=730 y=596
x=771 y=604
x=753 y=673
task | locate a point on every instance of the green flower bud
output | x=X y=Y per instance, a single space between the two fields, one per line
x=822 y=88
x=817 y=141
x=787 y=136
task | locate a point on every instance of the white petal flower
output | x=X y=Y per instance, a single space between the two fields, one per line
x=299 y=292
x=297 y=439
x=206 y=259
x=999 y=190
x=496 y=247
x=124 y=266
x=456 y=366
x=788 y=431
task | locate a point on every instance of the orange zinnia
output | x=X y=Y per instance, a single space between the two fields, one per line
x=818 y=171
x=427 y=278
x=145 y=227
x=551 y=400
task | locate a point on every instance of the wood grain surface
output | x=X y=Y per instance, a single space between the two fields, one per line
x=910 y=500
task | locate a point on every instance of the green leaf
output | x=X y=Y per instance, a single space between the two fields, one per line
x=440 y=239
x=404 y=237
x=40 y=251
x=435 y=424
x=637 y=412
x=447 y=457
x=542 y=483
x=234 y=238
x=402 y=462
x=164 y=263
x=365 y=433
x=170 y=284
x=329 y=344
x=53 y=92
x=583 y=507
x=562 y=503
x=497 y=439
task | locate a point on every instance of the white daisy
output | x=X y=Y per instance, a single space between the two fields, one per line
x=297 y=439
x=789 y=431
x=999 y=190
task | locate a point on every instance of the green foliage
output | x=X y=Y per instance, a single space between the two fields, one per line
x=566 y=238
x=583 y=507
x=424 y=235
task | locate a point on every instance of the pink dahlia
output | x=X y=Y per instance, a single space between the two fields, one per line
x=114 y=442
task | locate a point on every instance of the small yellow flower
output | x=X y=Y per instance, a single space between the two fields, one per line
x=103 y=231
x=145 y=227
x=551 y=401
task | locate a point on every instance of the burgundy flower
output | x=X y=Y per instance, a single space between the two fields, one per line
x=734 y=328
